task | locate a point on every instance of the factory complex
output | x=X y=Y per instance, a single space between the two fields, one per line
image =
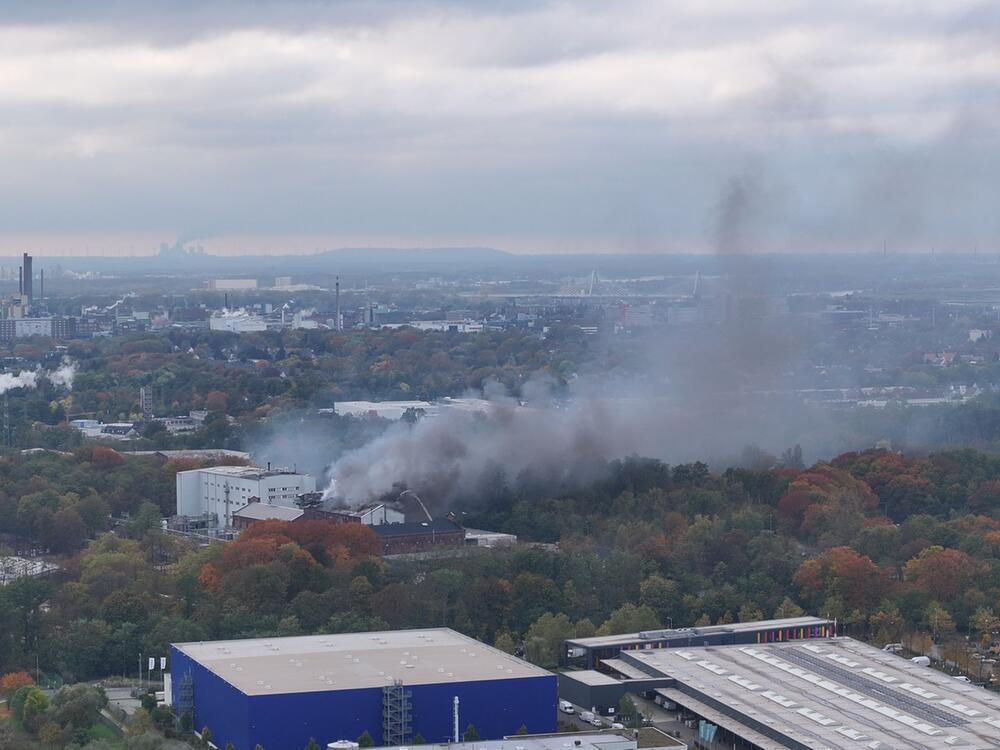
x=589 y=653
x=279 y=692
x=811 y=694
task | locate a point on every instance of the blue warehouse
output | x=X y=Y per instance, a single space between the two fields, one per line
x=280 y=692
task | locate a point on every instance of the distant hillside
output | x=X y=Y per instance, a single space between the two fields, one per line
x=422 y=255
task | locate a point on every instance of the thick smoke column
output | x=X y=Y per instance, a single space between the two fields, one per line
x=447 y=458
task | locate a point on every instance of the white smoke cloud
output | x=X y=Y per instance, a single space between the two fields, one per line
x=24 y=379
x=61 y=377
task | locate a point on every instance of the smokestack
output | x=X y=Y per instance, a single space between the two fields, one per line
x=20 y=280
x=41 y=284
x=27 y=278
x=337 y=287
x=226 y=304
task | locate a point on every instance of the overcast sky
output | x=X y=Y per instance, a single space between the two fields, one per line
x=632 y=125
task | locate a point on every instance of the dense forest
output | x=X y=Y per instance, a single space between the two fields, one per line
x=887 y=544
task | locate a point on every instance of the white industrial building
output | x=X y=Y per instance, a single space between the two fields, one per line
x=222 y=490
x=232 y=284
x=237 y=321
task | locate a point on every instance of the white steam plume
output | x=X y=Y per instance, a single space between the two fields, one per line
x=62 y=377
x=24 y=379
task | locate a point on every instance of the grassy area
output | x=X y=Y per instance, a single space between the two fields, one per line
x=102 y=731
x=653 y=737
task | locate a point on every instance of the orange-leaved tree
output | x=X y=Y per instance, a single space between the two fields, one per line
x=11 y=682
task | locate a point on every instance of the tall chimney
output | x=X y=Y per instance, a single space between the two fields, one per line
x=20 y=280
x=338 y=326
x=27 y=278
x=41 y=284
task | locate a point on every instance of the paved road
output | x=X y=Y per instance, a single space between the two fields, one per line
x=122 y=698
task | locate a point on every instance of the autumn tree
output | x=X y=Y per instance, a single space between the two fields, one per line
x=11 y=682
x=943 y=572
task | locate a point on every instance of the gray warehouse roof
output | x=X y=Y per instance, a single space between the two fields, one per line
x=736 y=627
x=265 y=512
x=264 y=666
x=836 y=694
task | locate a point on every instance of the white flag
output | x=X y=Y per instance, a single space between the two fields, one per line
x=152 y=663
x=163 y=663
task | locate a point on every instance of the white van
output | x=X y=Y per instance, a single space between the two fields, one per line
x=566 y=707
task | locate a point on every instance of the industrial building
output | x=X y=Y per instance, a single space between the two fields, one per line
x=237 y=321
x=588 y=653
x=374 y=514
x=824 y=693
x=220 y=491
x=419 y=536
x=232 y=284
x=247 y=516
x=280 y=692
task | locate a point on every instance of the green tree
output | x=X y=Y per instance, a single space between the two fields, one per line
x=418 y=739
x=504 y=642
x=545 y=638
x=629 y=618
x=523 y=729
x=141 y=722
x=788 y=608
x=78 y=706
x=36 y=703
x=471 y=735
x=365 y=740
x=312 y=744
x=627 y=711
x=749 y=612
x=50 y=734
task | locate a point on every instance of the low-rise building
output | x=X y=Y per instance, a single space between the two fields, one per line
x=831 y=693
x=370 y=515
x=589 y=653
x=279 y=692
x=422 y=536
x=249 y=515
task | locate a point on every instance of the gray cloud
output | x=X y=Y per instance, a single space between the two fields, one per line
x=535 y=126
